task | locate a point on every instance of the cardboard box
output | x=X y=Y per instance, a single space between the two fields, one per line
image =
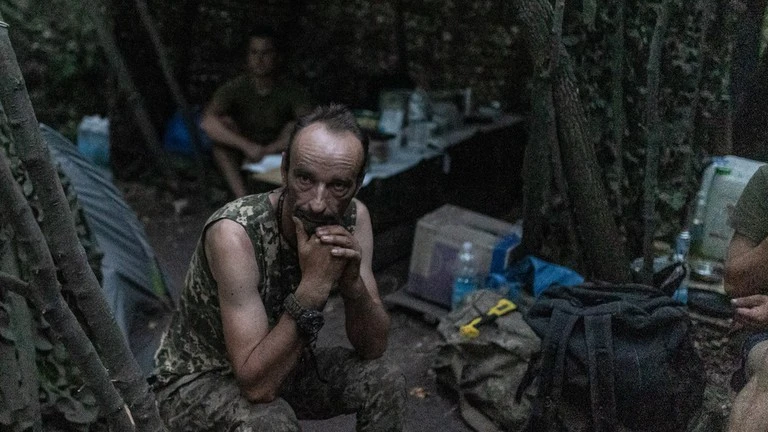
x=439 y=236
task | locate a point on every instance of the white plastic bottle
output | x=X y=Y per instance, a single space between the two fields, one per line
x=93 y=140
x=467 y=277
x=682 y=245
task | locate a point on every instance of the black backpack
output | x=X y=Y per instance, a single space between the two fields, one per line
x=614 y=357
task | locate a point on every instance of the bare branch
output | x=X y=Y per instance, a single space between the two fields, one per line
x=556 y=34
x=13 y=284
x=78 y=277
x=45 y=294
x=654 y=139
x=617 y=98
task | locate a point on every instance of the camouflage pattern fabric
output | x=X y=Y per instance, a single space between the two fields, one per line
x=195 y=384
x=373 y=389
x=486 y=372
x=39 y=382
x=194 y=342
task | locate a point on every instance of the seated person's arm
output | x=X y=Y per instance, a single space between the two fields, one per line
x=367 y=322
x=260 y=358
x=221 y=129
x=746 y=267
x=281 y=142
x=746 y=280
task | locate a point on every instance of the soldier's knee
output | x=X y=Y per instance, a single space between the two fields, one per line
x=274 y=416
x=271 y=425
x=389 y=379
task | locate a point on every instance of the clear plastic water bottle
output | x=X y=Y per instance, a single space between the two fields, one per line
x=93 y=140
x=467 y=277
x=682 y=246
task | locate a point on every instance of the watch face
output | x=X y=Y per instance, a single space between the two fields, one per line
x=308 y=321
x=311 y=322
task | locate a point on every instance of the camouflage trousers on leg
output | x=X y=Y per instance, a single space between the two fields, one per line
x=213 y=402
x=373 y=389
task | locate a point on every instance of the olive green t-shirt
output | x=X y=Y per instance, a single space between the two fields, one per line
x=260 y=118
x=750 y=216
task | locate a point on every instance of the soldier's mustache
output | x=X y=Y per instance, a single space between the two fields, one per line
x=312 y=221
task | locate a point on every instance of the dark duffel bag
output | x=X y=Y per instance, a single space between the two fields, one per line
x=614 y=357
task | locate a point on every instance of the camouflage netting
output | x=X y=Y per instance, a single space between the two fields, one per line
x=33 y=363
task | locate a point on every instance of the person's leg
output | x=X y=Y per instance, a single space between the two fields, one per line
x=374 y=389
x=213 y=402
x=229 y=161
x=750 y=408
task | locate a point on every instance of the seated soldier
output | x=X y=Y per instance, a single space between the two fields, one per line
x=239 y=354
x=746 y=281
x=252 y=115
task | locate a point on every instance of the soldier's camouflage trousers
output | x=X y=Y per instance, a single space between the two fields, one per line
x=375 y=390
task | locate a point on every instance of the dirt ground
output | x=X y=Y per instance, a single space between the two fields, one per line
x=413 y=341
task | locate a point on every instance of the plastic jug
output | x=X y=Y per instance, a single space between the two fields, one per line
x=93 y=139
x=729 y=175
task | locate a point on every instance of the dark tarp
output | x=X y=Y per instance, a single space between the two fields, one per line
x=133 y=282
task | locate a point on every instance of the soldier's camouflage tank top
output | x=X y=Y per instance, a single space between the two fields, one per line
x=194 y=341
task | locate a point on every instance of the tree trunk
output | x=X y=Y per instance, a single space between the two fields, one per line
x=605 y=254
x=750 y=122
x=537 y=165
x=43 y=289
x=654 y=139
x=537 y=169
x=746 y=47
x=555 y=155
x=617 y=101
x=69 y=254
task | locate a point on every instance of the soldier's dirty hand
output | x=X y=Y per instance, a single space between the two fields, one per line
x=320 y=268
x=345 y=246
x=752 y=311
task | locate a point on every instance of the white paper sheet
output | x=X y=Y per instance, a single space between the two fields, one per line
x=268 y=163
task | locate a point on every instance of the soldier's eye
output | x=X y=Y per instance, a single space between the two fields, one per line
x=303 y=179
x=340 y=188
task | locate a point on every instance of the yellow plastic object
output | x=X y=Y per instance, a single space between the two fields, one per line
x=503 y=307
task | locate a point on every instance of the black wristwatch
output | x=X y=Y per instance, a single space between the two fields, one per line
x=309 y=321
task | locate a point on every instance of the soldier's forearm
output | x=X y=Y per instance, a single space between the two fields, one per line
x=367 y=322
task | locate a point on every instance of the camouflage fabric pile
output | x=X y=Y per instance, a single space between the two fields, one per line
x=485 y=372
